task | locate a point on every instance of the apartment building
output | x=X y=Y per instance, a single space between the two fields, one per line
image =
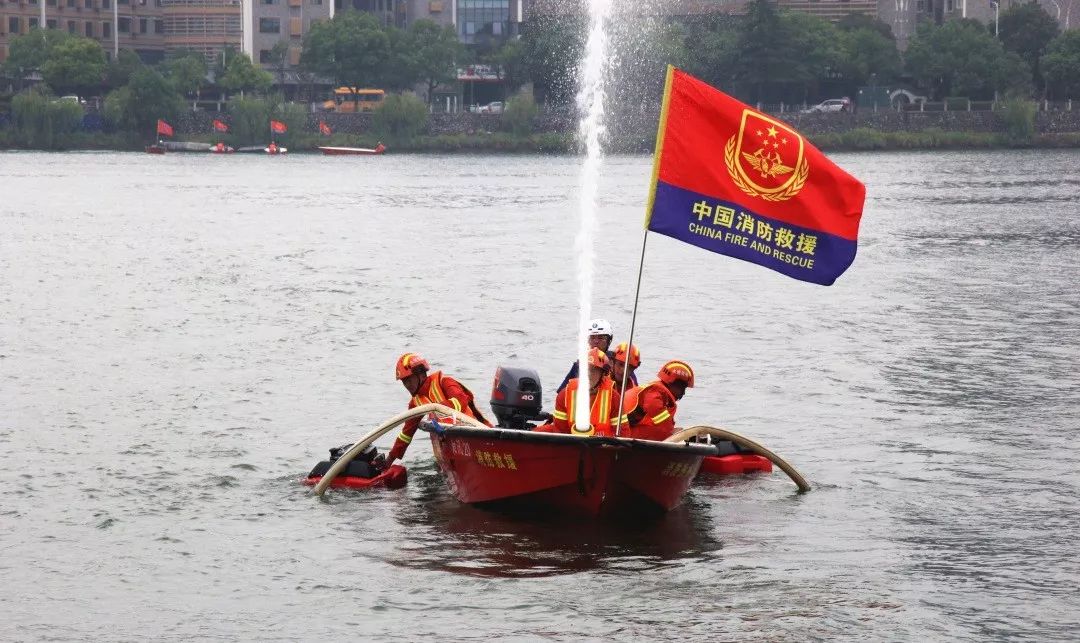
x=128 y=24
x=205 y=26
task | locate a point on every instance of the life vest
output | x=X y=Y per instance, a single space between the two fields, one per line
x=599 y=415
x=434 y=394
x=649 y=427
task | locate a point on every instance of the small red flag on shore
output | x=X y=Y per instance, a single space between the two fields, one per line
x=278 y=127
x=325 y=129
x=164 y=128
x=220 y=126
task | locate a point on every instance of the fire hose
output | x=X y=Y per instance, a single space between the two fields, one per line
x=385 y=427
x=695 y=431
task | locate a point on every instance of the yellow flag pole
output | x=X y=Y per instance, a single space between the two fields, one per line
x=661 y=127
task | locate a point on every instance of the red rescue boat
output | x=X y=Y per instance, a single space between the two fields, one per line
x=590 y=475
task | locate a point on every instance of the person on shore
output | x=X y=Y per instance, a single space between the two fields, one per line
x=600 y=336
x=412 y=370
x=623 y=361
x=649 y=411
x=602 y=401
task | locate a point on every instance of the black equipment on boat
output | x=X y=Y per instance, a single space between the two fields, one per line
x=516 y=397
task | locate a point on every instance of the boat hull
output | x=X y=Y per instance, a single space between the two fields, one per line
x=594 y=475
x=349 y=151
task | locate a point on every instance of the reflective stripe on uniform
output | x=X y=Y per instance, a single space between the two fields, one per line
x=404 y=437
x=661 y=416
x=559 y=415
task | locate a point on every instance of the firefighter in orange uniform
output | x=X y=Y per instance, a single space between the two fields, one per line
x=649 y=411
x=619 y=364
x=602 y=398
x=412 y=370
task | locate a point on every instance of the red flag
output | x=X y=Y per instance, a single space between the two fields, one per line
x=164 y=128
x=324 y=128
x=278 y=127
x=220 y=126
x=736 y=181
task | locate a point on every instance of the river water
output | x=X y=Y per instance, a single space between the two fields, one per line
x=183 y=337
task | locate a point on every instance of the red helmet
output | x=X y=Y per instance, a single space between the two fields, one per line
x=598 y=358
x=635 y=355
x=676 y=371
x=408 y=363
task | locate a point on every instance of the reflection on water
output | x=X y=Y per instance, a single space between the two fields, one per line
x=463 y=539
x=178 y=345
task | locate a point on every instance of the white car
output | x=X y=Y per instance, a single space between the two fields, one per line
x=831 y=105
x=492 y=108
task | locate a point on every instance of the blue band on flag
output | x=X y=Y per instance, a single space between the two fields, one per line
x=730 y=229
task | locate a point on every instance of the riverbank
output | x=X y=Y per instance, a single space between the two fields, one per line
x=862 y=139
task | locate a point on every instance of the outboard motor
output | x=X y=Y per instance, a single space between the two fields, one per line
x=516 y=397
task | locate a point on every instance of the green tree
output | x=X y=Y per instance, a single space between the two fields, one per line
x=712 y=50
x=812 y=49
x=402 y=69
x=520 y=113
x=138 y=105
x=352 y=49
x=1061 y=65
x=27 y=53
x=865 y=52
x=77 y=64
x=856 y=21
x=241 y=75
x=42 y=122
x=960 y=58
x=118 y=72
x=1027 y=30
x=510 y=60
x=553 y=46
x=437 y=52
x=401 y=117
x=187 y=72
x=250 y=118
x=279 y=60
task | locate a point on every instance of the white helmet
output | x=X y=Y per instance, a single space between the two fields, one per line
x=600 y=327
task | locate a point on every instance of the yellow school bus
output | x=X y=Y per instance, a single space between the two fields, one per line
x=348 y=99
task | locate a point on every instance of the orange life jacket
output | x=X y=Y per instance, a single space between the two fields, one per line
x=431 y=391
x=600 y=415
x=657 y=426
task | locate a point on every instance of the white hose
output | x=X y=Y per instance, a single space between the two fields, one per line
x=694 y=431
x=344 y=460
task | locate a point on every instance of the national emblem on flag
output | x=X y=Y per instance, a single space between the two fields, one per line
x=220 y=126
x=738 y=182
x=325 y=129
x=278 y=127
x=164 y=128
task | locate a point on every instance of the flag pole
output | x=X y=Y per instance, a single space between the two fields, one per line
x=630 y=342
x=660 y=128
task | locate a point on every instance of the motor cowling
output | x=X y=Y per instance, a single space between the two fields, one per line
x=516 y=397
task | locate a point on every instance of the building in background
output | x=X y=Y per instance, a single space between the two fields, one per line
x=833 y=10
x=282 y=21
x=204 y=26
x=130 y=24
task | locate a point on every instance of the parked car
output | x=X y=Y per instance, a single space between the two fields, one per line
x=831 y=105
x=492 y=108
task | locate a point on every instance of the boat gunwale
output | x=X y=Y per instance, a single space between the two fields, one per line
x=598 y=441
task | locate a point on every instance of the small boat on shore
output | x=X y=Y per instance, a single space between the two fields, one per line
x=352 y=151
x=155 y=148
